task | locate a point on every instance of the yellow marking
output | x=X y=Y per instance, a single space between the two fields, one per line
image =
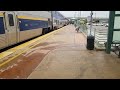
x=1 y=14
x=24 y=45
x=32 y=18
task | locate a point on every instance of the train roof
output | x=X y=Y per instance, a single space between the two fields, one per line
x=58 y=15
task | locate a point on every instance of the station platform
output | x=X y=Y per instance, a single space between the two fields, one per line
x=61 y=54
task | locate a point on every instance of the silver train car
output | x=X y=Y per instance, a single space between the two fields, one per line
x=58 y=20
x=18 y=26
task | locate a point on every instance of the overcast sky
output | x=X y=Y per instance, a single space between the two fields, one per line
x=104 y=14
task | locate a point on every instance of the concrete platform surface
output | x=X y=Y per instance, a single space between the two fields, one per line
x=69 y=59
x=61 y=54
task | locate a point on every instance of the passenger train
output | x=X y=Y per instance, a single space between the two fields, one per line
x=58 y=20
x=18 y=26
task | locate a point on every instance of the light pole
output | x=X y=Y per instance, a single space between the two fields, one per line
x=91 y=21
x=95 y=22
x=90 y=38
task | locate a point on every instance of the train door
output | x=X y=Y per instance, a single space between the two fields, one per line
x=11 y=27
x=49 y=22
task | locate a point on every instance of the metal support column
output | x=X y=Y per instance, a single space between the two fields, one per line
x=110 y=31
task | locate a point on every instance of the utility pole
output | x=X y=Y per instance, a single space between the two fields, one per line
x=75 y=15
x=95 y=15
x=95 y=18
x=80 y=14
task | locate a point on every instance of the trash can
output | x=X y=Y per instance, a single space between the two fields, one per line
x=90 y=42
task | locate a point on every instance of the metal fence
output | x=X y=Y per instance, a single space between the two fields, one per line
x=100 y=38
x=83 y=27
x=99 y=34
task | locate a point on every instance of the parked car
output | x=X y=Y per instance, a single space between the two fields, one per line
x=106 y=25
x=102 y=24
x=88 y=23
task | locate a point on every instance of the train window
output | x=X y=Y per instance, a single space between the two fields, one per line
x=11 y=21
x=58 y=21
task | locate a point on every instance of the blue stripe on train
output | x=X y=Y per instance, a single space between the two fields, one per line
x=2 y=30
x=27 y=24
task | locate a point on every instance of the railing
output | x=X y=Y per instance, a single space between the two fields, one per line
x=100 y=38
x=99 y=34
x=84 y=28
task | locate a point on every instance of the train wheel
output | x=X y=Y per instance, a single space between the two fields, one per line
x=54 y=28
x=49 y=30
x=43 y=31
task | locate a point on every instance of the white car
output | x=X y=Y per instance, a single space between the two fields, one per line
x=102 y=24
x=99 y=24
x=88 y=23
x=94 y=24
x=106 y=25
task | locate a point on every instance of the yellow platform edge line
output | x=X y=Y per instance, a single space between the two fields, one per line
x=2 y=55
x=41 y=37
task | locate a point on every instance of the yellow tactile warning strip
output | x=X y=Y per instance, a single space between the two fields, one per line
x=24 y=47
